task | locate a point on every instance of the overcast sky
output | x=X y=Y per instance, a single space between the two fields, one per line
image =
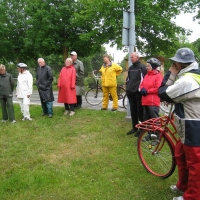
x=184 y=20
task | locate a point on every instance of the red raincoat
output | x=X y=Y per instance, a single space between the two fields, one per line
x=66 y=83
x=151 y=83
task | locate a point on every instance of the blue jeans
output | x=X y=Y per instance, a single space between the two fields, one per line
x=47 y=108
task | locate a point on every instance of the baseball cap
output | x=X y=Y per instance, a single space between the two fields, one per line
x=73 y=53
x=21 y=65
x=184 y=55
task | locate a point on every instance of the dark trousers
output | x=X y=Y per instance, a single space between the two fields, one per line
x=136 y=108
x=150 y=112
x=69 y=107
x=79 y=100
x=7 y=108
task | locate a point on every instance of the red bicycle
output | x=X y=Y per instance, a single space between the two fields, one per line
x=156 y=145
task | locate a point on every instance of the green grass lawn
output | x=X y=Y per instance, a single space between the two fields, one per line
x=84 y=157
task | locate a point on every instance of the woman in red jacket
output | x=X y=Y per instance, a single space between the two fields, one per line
x=149 y=89
x=67 y=87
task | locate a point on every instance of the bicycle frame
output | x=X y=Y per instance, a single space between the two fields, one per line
x=161 y=124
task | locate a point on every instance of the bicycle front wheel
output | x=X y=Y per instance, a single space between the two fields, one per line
x=156 y=155
x=94 y=96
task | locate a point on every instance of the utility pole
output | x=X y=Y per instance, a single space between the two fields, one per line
x=128 y=36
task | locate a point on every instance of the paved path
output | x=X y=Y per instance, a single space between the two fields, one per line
x=36 y=100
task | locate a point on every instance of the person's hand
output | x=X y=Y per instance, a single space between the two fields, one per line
x=174 y=68
x=143 y=92
x=28 y=96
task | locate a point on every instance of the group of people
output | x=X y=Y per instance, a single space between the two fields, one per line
x=145 y=88
x=70 y=85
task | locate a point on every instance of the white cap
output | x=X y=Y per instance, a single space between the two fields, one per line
x=73 y=53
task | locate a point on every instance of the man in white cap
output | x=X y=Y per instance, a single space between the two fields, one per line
x=181 y=85
x=24 y=89
x=79 y=79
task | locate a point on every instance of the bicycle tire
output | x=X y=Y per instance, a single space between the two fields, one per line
x=158 y=159
x=121 y=92
x=125 y=101
x=94 y=96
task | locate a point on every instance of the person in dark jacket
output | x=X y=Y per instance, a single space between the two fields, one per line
x=44 y=79
x=136 y=72
x=80 y=91
x=6 y=94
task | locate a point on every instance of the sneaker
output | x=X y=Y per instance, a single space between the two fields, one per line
x=178 y=198
x=103 y=108
x=50 y=116
x=3 y=120
x=66 y=112
x=43 y=114
x=113 y=109
x=13 y=121
x=146 y=138
x=27 y=118
x=175 y=189
x=71 y=113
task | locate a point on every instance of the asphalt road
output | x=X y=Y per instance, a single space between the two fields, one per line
x=35 y=100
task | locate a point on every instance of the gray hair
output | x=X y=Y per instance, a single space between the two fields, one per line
x=2 y=66
x=136 y=54
x=41 y=59
x=69 y=60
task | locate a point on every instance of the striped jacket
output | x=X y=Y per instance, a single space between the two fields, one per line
x=183 y=89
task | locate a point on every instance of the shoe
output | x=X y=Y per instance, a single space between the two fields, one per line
x=113 y=109
x=43 y=114
x=66 y=112
x=78 y=107
x=13 y=121
x=137 y=134
x=175 y=189
x=103 y=108
x=178 y=198
x=71 y=113
x=146 y=138
x=27 y=118
x=131 y=131
x=3 y=120
x=50 y=116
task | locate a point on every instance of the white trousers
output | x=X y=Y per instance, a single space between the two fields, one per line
x=24 y=105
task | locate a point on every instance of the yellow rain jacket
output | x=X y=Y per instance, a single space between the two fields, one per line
x=109 y=74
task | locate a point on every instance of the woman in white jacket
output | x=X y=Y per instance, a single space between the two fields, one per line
x=24 y=89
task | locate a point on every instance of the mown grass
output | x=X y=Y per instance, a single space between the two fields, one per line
x=85 y=157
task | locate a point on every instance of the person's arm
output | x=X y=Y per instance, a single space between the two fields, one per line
x=30 y=85
x=50 y=76
x=12 y=83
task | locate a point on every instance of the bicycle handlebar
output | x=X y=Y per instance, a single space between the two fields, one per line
x=96 y=76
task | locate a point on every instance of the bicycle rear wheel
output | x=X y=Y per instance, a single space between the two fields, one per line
x=125 y=101
x=94 y=96
x=121 y=92
x=156 y=155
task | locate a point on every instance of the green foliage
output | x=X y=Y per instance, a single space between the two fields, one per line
x=84 y=157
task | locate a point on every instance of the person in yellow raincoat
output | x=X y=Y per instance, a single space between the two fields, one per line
x=109 y=72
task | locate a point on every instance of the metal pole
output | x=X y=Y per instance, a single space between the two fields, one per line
x=131 y=42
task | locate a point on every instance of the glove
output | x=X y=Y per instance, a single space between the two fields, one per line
x=143 y=92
